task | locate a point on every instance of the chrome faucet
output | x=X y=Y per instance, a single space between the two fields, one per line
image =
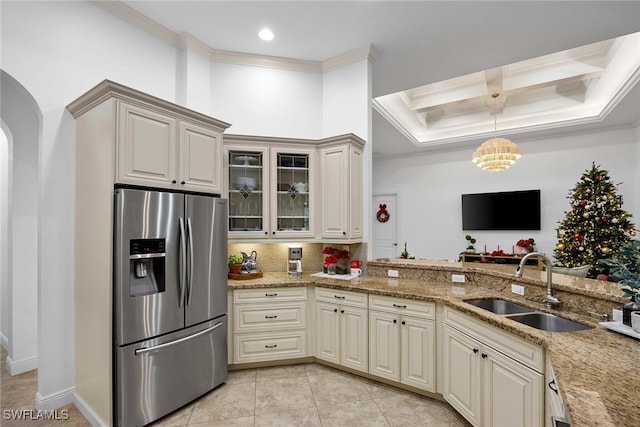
x=549 y=300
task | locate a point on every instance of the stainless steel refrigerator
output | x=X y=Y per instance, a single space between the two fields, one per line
x=170 y=301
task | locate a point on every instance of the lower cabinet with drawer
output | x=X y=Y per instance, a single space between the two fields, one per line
x=341 y=328
x=490 y=377
x=402 y=341
x=269 y=324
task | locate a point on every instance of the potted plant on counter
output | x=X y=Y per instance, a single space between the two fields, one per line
x=235 y=264
x=471 y=249
x=625 y=269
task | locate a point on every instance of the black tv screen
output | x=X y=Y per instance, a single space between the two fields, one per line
x=509 y=210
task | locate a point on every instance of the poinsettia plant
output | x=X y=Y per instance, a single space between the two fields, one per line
x=526 y=243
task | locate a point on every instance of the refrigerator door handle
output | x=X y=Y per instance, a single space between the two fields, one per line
x=178 y=341
x=191 y=255
x=183 y=262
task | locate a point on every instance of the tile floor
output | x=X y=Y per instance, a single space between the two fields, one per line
x=305 y=395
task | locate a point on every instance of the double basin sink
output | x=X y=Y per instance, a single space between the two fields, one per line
x=528 y=316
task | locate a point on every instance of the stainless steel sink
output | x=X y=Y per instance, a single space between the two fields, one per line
x=499 y=306
x=548 y=322
x=527 y=316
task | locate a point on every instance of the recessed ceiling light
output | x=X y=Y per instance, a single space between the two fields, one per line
x=266 y=34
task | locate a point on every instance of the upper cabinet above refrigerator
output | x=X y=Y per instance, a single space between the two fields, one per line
x=157 y=143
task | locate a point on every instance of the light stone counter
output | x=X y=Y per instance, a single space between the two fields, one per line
x=598 y=370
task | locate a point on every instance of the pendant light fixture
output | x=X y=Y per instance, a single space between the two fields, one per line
x=496 y=154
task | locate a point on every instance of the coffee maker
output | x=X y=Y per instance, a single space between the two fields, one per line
x=294 y=265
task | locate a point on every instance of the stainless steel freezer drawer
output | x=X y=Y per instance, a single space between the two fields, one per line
x=158 y=376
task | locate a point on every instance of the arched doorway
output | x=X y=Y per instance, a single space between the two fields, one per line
x=21 y=121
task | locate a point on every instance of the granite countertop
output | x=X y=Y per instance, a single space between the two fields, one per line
x=597 y=369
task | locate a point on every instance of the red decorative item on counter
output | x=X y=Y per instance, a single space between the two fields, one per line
x=355 y=263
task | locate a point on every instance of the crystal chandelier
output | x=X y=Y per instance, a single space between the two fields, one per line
x=496 y=154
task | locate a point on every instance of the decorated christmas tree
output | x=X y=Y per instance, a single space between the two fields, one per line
x=596 y=226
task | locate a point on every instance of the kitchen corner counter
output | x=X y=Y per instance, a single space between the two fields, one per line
x=597 y=369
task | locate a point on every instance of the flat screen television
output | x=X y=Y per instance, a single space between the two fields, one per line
x=509 y=210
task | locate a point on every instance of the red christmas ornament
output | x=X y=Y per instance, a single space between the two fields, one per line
x=582 y=203
x=582 y=177
x=605 y=220
x=574 y=250
x=577 y=236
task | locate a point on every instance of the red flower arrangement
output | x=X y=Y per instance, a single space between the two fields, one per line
x=526 y=243
x=333 y=255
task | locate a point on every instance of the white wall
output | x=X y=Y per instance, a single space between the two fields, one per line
x=21 y=120
x=430 y=186
x=267 y=101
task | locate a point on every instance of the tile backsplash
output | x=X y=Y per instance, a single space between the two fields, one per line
x=272 y=257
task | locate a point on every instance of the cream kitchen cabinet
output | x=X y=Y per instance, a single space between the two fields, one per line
x=490 y=377
x=402 y=341
x=341 y=187
x=554 y=404
x=269 y=324
x=156 y=148
x=271 y=187
x=341 y=328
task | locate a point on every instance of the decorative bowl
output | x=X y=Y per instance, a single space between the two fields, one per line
x=575 y=271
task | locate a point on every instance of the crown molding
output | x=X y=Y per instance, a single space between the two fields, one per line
x=187 y=41
x=138 y=20
x=365 y=52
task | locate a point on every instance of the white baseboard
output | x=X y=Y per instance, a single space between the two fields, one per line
x=21 y=366
x=88 y=413
x=54 y=400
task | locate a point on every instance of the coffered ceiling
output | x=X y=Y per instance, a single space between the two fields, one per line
x=575 y=86
x=438 y=61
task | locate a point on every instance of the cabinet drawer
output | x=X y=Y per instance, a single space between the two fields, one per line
x=529 y=354
x=423 y=309
x=355 y=299
x=269 y=317
x=269 y=295
x=261 y=347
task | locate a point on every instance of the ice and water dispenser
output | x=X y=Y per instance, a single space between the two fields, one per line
x=146 y=266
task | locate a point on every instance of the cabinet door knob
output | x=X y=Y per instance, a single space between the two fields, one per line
x=174 y=181
x=182 y=182
x=484 y=355
x=342 y=311
x=404 y=323
x=344 y=233
x=335 y=310
x=266 y=232
x=395 y=321
x=475 y=350
x=273 y=232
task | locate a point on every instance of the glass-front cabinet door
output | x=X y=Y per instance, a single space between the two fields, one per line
x=292 y=201
x=248 y=186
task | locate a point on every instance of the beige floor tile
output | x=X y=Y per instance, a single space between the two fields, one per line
x=279 y=372
x=242 y=376
x=332 y=388
x=362 y=413
x=307 y=417
x=413 y=411
x=283 y=395
x=233 y=422
x=318 y=369
x=226 y=402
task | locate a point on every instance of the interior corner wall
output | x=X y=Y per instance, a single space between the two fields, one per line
x=430 y=187
x=193 y=81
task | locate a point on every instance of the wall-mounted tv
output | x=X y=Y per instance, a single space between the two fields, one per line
x=509 y=210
